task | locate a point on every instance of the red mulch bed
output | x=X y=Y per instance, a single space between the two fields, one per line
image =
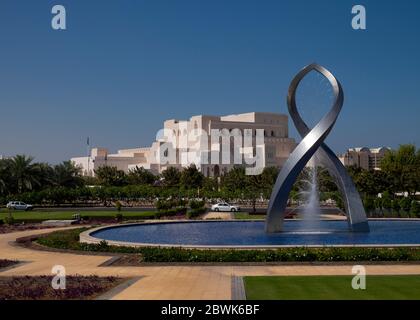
x=7 y=263
x=40 y=288
x=6 y=228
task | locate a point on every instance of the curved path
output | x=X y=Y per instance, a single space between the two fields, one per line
x=164 y=282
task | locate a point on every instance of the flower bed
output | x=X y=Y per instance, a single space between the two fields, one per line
x=39 y=287
x=7 y=263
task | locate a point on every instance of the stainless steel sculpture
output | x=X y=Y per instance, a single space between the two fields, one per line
x=313 y=142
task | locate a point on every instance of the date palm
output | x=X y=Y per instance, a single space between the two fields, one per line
x=66 y=174
x=24 y=173
x=4 y=176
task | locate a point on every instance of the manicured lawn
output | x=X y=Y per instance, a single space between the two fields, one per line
x=63 y=215
x=246 y=216
x=331 y=287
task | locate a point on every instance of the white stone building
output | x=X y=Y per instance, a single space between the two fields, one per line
x=207 y=141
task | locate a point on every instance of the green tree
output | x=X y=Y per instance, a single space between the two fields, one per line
x=140 y=176
x=24 y=173
x=269 y=177
x=210 y=185
x=191 y=178
x=254 y=188
x=171 y=177
x=370 y=182
x=234 y=181
x=326 y=181
x=110 y=176
x=403 y=165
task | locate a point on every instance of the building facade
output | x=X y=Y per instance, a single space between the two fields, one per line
x=215 y=144
x=365 y=158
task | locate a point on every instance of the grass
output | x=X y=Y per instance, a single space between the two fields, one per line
x=38 y=216
x=248 y=216
x=406 y=287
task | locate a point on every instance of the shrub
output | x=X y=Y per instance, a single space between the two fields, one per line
x=157 y=215
x=195 y=212
x=194 y=204
x=162 y=205
x=9 y=220
x=1 y=222
x=415 y=208
x=395 y=206
x=119 y=217
x=118 y=205
x=369 y=204
x=69 y=239
x=405 y=204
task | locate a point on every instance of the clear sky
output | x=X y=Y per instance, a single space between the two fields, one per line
x=122 y=67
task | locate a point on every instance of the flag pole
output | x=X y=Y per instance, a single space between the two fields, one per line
x=88 y=155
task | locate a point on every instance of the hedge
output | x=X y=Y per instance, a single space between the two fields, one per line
x=69 y=239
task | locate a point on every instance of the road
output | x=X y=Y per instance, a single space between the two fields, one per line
x=150 y=208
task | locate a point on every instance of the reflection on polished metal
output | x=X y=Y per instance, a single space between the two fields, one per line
x=313 y=143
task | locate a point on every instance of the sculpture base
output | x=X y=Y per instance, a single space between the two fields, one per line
x=360 y=227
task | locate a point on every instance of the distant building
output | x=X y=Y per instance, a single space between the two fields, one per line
x=365 y=158
x=122 y=160
x=275 y=149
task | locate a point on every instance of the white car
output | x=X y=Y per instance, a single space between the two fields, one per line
x=223 y=206
x=19 y=205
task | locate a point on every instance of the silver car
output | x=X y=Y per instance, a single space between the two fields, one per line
x=19 y=205
x=223 y=206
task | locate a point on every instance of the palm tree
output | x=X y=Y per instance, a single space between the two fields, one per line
x=66 y=174
x=4 y=176
x=24 y=173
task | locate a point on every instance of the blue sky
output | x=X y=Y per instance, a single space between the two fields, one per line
x=122 y=67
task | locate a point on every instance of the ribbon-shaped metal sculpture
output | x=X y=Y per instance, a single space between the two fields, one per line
x=313 y=142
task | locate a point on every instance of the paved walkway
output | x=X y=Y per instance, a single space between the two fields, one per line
x=164 y=282
x=218 y=215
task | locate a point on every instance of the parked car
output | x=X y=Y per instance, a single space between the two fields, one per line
x=223 y=206
x=19 y=205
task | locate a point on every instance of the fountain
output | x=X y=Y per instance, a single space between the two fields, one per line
x=311 y=213
x=274 y=232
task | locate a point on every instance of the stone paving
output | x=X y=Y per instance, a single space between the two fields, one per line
x=165 y=282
